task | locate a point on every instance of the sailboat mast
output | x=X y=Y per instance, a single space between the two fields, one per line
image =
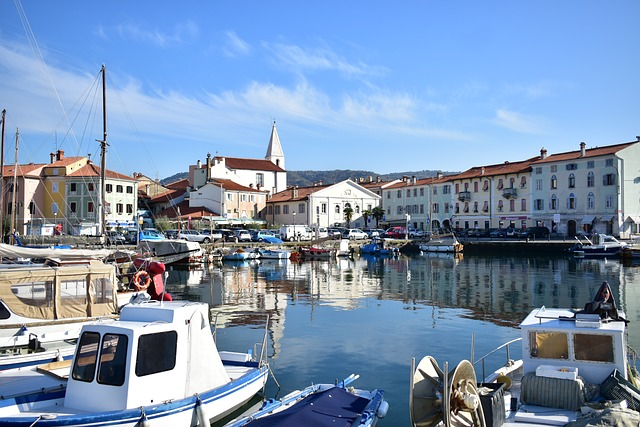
x=13 y=197
x=4 y=113
x=103 y=155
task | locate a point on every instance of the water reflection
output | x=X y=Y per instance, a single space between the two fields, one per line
x=370 y=315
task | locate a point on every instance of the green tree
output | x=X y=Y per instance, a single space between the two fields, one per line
x=348 y=214
x=378 y=214
x=366 y=215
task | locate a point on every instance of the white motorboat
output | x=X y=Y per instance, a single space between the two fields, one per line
x=157 y=365
x=600 y=245
x=575 y=363
x=442 y=244
x=170 y=251
x=320 y=405
x=274 y=254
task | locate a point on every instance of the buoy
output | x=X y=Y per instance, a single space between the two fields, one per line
x=504 y=380
x=382 y=409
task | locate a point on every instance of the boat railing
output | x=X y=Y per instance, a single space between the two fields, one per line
x=258 y=347
x=505 y=346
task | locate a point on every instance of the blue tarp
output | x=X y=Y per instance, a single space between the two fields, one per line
x=332 y=407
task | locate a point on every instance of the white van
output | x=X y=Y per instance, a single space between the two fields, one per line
x=296 y=232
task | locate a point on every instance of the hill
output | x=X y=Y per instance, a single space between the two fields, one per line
x=306 y=178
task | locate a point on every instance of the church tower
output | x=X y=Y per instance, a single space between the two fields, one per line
x=274 y=151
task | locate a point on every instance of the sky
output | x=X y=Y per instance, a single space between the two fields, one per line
x=362 y=85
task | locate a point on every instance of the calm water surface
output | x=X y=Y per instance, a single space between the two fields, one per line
x=370 y=316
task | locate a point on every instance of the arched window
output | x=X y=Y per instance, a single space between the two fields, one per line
x=571 y=201
x=523 y=204
x=337 y=209
x=500 y=184
x=591 y=201
x=591 y=179
x=572 y=180
x=554 y=182
x=554 y=202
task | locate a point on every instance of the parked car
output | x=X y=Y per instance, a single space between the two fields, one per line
x=396 y=232
x=499 y=232
x=373 y=232
x=243 y=236
x=355 y=234
x=115 y=238
x=229 y=235
x=415 y=233
x=193 y=236
x=213 y=234
x=131 y=235
x=511 y=232
x=534 y=232
x=334 y=232
x=257 y=235
x=171 y=234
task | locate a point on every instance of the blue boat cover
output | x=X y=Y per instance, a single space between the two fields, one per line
x=332 y=407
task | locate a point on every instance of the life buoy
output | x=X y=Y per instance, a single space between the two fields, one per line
x=141 y=280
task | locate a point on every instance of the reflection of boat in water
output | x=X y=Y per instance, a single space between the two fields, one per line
x=312 y=254
x=321 y=405
x=442 y=244
x=571 y=359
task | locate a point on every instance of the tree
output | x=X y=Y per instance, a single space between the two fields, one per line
x=378 y=214
x=366 y=214
x=348 y=214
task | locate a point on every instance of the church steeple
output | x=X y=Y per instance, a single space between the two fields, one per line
x=274 y=151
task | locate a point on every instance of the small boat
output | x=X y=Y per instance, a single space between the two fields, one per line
x=442 y=244
x=171 y=252
x=236 y=255
x=313 y=253
x=631 y=251
x=157 y=365
x=321 y=405
x=344 y=250
x=600 y=245
x=377 y=247
x=573 y=363
x=274 y=254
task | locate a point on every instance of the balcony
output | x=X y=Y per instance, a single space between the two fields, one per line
x=510 y=193
x=464 y=196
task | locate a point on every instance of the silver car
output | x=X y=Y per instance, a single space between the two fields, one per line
x=193 y=236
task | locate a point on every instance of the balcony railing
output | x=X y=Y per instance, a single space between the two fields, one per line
x=464 y=196
x=510 y=193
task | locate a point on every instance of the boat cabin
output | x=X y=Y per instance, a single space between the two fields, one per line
x=557 y=343
x=155 y=352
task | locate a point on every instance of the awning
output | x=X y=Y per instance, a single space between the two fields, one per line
x=609 y=218
x=635 y=219
x=588 y=219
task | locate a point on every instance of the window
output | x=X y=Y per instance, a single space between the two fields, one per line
x=512 y=182
x=109 y=188
x=436 y=208
x=609 y=179
x=388 y=194
x=129 y=189
x=84 y=366
x=554 y=203
x=457 y=208
x=538 y=170
x=229 y=196
x=285 y=210
x=523 y=204
x=485 y=207
x=113 y=359
x=548 y=345
x=590 y=164
x=572 y=180
x=538 y=204
x=301 y=208
x=119 y=208
x=608 y=162
x=608 y=201
x=475 y=206
x=435 y=190
x=357 y=209
x=72 y=207
x=523 y=182
x=337 y=209
x=446 y=189
x=591 y=201
x=54 y=187
x=571 y=201
x=129 y=208
x=415 y=192
x=554 y=168
x=512 y=205
x=277 y=210
x=421 y=191
x=119 y=189
x=475 y=187
x=466 y=207
x=270 y=210
x=399 y=210
x=399 y=196
x=156 y=353
x=447 y=207
x=90 y=187
x=500 y=205
x=72 y=187
x=90 y=207
x=324 y=208
x=554 y=182
x=500 y=184
x=594 y=348
x=572 y=166
x=485 y=186
x=591 y=179
x=538 y=185
x=260 y=179
x=32 y=208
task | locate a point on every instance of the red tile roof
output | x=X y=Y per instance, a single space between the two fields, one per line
x=168 y=195
x=230 y=185
x=303 y=193
x=421 y=181
x=498 y=169
x=186 y=211
x=180 y=184
x=22 y=169
x=93 y=170
x=65 y=162
x=250 y=164
x=589 y=152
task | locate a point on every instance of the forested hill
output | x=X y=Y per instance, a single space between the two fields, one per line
x=308 y=177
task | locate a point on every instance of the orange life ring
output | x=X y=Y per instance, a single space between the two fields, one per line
x=141 y=280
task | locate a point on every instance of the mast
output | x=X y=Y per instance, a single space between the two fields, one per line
x=12 y=227
x=103 y=155
x=4 y=113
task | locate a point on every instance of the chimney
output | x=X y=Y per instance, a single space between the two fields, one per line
x=582 y=149
x=208 y=167
x=440 y=175
x=405 y=178
x=413 y=180
x=543 y=153
x=482 y=171
x=52 y=157
x=320 y=182
x=378 y=179
x=59 y=154
x=199 y=164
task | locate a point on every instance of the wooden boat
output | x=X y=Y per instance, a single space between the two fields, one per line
x=321 y=405
x=377 y=247
x=157 y=365
x=274 y=254
x=313 y=253
x=236 y=255
x=442 y=244
x=600 y=245
x=573 y=362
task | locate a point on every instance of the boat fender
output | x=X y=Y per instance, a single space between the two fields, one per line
x=143 y=422
x=201 y=415
x=141 y=280
x=382 y=409
x=505 y=380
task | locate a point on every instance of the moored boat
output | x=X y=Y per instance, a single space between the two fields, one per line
x=442 y=244
x=236 y=255
x=313 y=253
x=600 y=245
x=574 y=362
x=274 y=254
x=321 y=405
x=157 y=365
x=170 y=251
x=377 y=247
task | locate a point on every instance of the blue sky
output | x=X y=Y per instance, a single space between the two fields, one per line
x=351 y=84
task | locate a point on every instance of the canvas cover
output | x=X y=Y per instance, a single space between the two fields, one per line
x=46 y=293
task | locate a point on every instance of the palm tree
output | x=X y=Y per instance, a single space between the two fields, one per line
x=378 y=214
x=348 y=214
x=366 y=214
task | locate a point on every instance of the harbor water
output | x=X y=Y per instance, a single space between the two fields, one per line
x=371 y=315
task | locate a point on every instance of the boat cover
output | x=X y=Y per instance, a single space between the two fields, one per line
x=13 y=252
x=335 y=407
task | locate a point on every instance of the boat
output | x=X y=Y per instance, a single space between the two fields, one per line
x=236 y=255
x=631 y=251
x=157 y=365
x=574 y=362
x=40 y=254
x=344 y=250
x=313 y=253
x=600 y=245
x=171 y=252
x=447 y=243
x=274 y=254
x=377 y=247
x=44 y=307
x=321 y=405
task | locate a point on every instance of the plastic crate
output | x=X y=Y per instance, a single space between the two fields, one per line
x=616 y=387
x=492 y=403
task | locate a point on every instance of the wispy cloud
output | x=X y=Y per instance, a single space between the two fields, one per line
x=235 y=46
x=181 y=33
x=518 y=122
